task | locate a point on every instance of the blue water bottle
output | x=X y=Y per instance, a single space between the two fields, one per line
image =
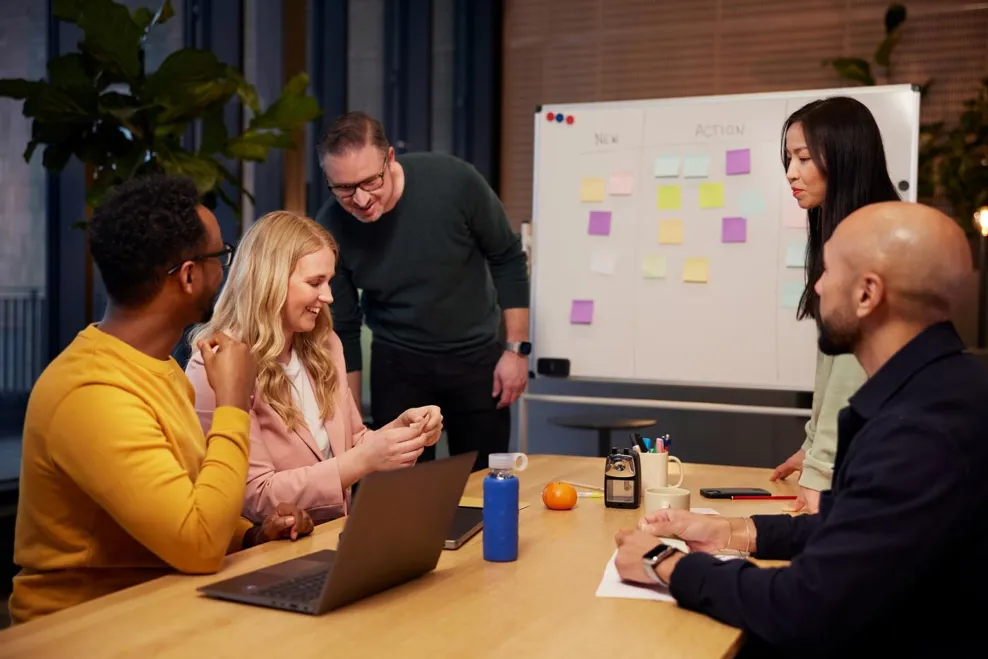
x=501 y=506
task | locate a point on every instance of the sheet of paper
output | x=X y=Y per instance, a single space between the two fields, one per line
x=696 y=166
x=704 y=511
x=669 y=198
x=670 y=232
x=581 y=313
x=592 y=189
x=611 y=584
x=750 y=203
x=796 y=255
x=478 y=502
x=711 y=195
x=738 y=162
x=654 y=266
x=666 y=167
x=733 y=230
x=600 y=223
x=696 y=270
x=603 y=263
x=621 y=184
x=792 y=291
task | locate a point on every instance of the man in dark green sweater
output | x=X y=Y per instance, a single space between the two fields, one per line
x=428 y=243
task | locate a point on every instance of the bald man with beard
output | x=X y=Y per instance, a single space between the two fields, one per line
x=894 y=562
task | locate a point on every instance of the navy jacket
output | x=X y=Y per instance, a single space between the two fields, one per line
x=896 y=561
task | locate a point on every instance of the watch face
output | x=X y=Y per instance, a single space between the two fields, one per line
x=525 y=348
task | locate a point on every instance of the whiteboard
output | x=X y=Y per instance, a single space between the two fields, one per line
x=666 y=244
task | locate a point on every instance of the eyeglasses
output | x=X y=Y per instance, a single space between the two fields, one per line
x=225 y=256
x=371 y=184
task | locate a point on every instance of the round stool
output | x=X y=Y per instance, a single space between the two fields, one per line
x=603 y=425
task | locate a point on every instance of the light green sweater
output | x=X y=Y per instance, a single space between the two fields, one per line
x=837 y=378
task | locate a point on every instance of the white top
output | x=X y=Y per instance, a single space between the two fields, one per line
x=305 y=401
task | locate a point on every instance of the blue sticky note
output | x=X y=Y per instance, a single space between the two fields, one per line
x=666 y=167
x=751 y=203
x=796 y=255
x=792 y=291
x=696 y=166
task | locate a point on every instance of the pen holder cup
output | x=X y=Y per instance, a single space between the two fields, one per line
x=655 y=470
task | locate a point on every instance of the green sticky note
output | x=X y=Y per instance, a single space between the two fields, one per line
x=711 y=195
x=666 y=167
x=654 y=266
x=670 y=198
x=796 y=255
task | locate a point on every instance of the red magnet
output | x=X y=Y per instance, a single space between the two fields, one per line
x=550 y=116
x=569 y=119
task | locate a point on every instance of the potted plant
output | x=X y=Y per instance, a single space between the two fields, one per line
x=102 y=106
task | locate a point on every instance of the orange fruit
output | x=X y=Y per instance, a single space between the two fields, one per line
x=559 y=496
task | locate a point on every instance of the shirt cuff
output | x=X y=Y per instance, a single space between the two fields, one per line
x=773 y=537
x=814 y=478
x=689 y=577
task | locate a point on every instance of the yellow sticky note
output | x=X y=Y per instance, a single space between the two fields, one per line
x=592 y=189
x=654 y=266
x=696 y=270
x=669 y=198
x=671 y=232
x=711 y=195
x=478 y=502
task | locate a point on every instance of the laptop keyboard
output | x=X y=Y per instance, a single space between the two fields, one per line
x=303 y=588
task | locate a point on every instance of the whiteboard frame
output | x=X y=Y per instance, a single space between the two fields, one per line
x=538 y=122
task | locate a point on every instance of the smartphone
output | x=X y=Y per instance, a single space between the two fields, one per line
x=728 y=492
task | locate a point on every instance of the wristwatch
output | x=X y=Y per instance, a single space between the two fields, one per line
x=655 y=556
x=523 y=348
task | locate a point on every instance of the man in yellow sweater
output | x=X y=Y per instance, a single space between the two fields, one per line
x=118 y=484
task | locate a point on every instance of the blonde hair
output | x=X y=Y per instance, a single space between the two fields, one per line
x=250 y=309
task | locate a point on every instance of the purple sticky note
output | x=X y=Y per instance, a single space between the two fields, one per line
x=600 y=223
x=733 y=230
x=581 y=312
x=738 y=162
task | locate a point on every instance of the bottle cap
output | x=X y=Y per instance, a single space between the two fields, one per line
x=516 y=461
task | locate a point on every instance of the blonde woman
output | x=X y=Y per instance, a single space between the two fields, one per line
x=308 y=442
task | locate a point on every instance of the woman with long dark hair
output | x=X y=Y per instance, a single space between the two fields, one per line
x=834 y=158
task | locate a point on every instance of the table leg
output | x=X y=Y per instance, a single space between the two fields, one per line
x=603 y=442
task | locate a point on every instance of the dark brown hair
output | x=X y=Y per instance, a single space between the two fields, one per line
x=352 y=131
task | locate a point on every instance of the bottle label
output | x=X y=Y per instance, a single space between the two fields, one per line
x=620 y=490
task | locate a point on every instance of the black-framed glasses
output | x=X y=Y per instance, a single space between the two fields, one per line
x=225 y=256
x=347 y=190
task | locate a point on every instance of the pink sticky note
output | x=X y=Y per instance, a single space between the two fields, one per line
x=733 y=230
x=738 y=162
x=621 y=184
x=600 y=223
x=582 y=312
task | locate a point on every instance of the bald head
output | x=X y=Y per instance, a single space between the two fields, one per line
x=919 y=257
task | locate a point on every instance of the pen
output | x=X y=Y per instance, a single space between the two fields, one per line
x=586 y=487
x=773 y=497
x=591 y=495
x=636 y=440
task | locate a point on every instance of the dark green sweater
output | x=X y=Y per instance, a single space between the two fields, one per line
x=435 y=271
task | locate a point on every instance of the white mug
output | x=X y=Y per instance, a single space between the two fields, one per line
x=655 y=470
x=659 y=498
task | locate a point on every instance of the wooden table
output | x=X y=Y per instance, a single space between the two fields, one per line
x=542 y=605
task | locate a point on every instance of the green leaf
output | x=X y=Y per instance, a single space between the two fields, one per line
x=29 y=151
x=18 y=88
x=111 y=36
x=853 y=68
x=56 y=155
x=255 y=146
x=895 y=16
x=181 y=71
x=214 y=133
x=68 y=72
x=298 y=84
x=66 y=10
x=288 y=112
x=50 y=104
x=180 y=162
x=883 y=55
x=195 y=101
x=245 y=91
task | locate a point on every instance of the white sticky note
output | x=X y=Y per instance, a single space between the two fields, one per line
x=603 y=263
x=696 y=166
x=666 y=167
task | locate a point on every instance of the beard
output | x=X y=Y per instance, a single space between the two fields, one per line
x=836 y=335
x=206 y=306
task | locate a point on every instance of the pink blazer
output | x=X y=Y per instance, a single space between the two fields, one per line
x=286 y=466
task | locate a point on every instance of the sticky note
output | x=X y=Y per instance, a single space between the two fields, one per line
x=738 y=162
x=592 y=189
x=621 y=184
x=666 y=167
x=670 y=198
x=792 y=291
x=654 y=266
x=796 y=255
x=671 y=232
x=581 y=312
x=696 y=270
x=696 y=166
x=600 y=223
x=733 y=230
x=711 y=195
x=751 y=203
x=603 y=263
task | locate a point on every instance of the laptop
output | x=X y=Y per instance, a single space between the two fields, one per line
x=395 y=532
x=467 y=523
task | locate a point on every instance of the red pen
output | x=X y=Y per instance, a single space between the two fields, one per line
x=773 y=497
